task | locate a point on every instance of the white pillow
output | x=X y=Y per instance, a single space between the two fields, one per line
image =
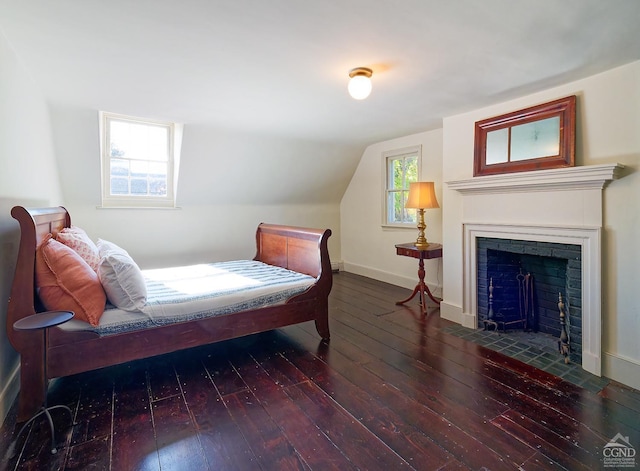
x=121 y=278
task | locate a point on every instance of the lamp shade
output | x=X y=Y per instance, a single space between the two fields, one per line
x=422 y=195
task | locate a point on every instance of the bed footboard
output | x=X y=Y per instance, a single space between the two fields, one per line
x=295 y=248
x=303 y=250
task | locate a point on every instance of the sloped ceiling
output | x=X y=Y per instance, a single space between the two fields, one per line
x=279 y=68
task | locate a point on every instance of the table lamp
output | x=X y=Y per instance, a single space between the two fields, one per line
x=422 y=195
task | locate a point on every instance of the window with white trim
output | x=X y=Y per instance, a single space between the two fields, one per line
x=401 y=167
x=139 y=161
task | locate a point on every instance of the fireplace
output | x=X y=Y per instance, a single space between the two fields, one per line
x=584 y=240
x=519 y=286
x=556 y=206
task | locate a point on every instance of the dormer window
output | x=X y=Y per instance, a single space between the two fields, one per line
x=139 y=161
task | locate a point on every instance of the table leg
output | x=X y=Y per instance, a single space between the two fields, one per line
x=416 y=290
x=421 y=288
x=434 y=299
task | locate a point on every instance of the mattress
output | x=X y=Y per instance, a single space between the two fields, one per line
x=181 y=294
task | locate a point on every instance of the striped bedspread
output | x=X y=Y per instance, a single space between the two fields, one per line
x=186 y=293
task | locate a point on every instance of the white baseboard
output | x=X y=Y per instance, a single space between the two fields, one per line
x=9 y=392
x=454 y=313
x=451 y=312
x=621 y=369
x=469 y=320
x=391 y=278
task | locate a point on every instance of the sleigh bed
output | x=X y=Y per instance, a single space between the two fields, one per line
x=119 y=337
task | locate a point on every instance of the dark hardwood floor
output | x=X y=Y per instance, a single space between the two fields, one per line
x=390 y=391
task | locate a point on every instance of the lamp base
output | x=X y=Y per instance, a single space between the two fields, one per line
x=421 y=242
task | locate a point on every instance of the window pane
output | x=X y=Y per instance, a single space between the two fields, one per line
x=139 y=186
x=119 y=186
x=394 y=174
x=158 y=170
x=398 y=174
x=158 y=187
x=158 y=143
x=139 y=141
x=411 y=215
x=396 y=207
x=411 y=172
x=390 y=173
x=119 y=167
x=139 y=168
x=118 y=133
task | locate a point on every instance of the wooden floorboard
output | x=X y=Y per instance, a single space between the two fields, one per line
x=391 y=390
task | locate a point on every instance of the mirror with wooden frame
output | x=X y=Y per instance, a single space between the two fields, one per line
x=536 y=138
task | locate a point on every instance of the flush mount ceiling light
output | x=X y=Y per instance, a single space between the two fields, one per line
x=360 y=83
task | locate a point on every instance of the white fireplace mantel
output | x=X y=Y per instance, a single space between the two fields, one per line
x=568 y=178
x=562 y=205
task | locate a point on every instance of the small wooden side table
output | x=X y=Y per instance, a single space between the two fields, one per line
x=42 y=321
x=410 y=250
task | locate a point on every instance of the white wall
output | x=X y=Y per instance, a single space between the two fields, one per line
x=229 y=182
x=608 y=124
x=28 y=177
x=367 y=247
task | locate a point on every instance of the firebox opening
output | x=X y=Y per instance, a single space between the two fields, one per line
x=519 y=283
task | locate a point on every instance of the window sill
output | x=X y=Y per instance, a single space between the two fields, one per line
x=398 y=226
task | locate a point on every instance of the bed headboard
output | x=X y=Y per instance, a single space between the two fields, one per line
x=35 y=224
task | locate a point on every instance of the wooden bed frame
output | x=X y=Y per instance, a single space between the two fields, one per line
x=66 y=353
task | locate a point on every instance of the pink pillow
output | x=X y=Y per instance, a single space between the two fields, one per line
x=78 y=240
x=66 y=282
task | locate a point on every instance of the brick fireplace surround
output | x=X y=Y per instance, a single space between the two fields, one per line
x=558 y=206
